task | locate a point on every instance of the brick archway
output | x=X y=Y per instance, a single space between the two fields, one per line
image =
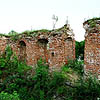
x=22 y=51
x=42 y=43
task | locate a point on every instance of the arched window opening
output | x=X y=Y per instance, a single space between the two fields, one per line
x=55 y=34
x=52 y=54
x=42 y=42
x=69 y=39
x=22 y=43
x=22 y=51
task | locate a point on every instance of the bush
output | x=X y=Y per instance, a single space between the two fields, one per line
x=41 y=81
x=47 y=85
x=87 y=89
x=14 y=74
x=9 y=64
x=43 y=85
x=77 y=66
x=7 y=96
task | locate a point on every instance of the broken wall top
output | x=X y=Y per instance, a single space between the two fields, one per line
x=92 y=26
x=64 y=31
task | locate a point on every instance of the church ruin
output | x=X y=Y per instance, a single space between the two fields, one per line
x=55 y=46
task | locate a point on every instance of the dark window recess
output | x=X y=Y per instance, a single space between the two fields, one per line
x=22 y=51
x=69 y=39
x=22 y=43
x=55 y=34
x=42 y=42
x=52 y=54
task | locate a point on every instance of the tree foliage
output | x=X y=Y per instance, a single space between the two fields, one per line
x=79 y=49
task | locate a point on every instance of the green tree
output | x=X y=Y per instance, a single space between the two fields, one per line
x=79 y=49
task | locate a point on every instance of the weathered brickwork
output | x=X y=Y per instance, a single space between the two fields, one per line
x=92 y=47
x=56 y=46
x=3 y=43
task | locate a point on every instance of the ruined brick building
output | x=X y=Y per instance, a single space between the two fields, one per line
x=55 y=46
x=92 y=46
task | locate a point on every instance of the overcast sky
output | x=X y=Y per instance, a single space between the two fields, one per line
x=21 y=15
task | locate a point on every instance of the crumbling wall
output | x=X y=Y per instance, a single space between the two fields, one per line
x=70 y=48
x=31 y=50
x=56 y=47
x=61 y=47
x=56 y=51
x=92 y=47
x=3 y=44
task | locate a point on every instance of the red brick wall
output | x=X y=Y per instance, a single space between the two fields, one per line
x=57 y=50
x=3 y=43
x=92 y=49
